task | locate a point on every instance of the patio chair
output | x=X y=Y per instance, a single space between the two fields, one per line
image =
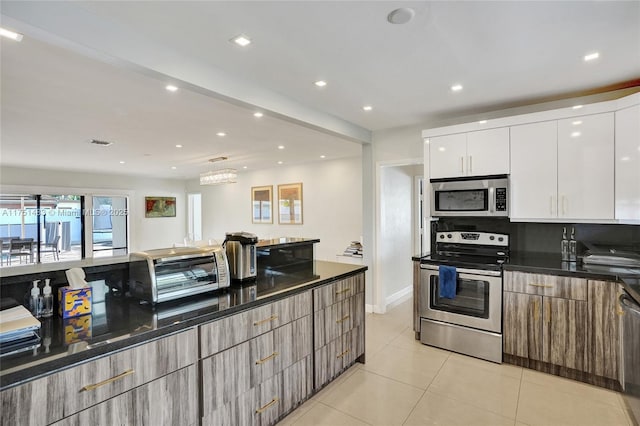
x=51 y=247
x=21 y=248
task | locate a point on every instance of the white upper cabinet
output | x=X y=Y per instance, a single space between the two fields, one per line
x=627 y=163
x=480 y=153
x=447 y=155
x=534 y=171
x=585 y=167
x=563 y=169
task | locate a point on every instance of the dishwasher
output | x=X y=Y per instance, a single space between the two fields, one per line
x=631 y=353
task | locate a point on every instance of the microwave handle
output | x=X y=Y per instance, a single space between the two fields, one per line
x=492 y=200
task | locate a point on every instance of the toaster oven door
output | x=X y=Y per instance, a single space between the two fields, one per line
x=185 y=277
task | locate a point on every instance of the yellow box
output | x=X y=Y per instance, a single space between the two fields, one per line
x=74 y=301
x=77 y=329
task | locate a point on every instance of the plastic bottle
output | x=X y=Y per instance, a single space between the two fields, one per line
x=47 y=300
x=564 y=245
x=573 y=254
x=35 y=301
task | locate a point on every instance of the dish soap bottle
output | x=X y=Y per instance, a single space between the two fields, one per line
x=564 y=245
x=573 y=255
x=47 y=300
x=35 y=301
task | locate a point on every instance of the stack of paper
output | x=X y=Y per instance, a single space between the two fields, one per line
x=18 y=330
x=354 y=249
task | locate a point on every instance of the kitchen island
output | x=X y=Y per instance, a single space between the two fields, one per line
x=248 y=354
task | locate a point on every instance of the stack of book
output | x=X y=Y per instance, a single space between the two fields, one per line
x=354 y=249
x=19 y=330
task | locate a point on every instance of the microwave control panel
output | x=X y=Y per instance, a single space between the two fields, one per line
x=501 y=199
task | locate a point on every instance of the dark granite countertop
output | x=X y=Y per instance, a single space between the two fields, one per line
x=122 y=322
x=285 y=242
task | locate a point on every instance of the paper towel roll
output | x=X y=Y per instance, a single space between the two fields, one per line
x=76 y=278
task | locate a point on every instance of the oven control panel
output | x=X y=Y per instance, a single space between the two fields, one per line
x=475 y=238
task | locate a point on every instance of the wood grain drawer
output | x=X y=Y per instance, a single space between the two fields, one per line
x=222 y=334
x=339 y=318
x=333 y=293
x=233 y=372
x=148 y=404
x=86 y=385
x=268 y=401
x=546 y=285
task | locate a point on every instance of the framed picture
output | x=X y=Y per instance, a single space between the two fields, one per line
x=160 y=207
x=290 y=204
x=262 y=204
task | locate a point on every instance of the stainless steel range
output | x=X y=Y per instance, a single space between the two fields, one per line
x=467 y=317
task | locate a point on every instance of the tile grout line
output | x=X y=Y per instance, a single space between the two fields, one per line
x=515 y=420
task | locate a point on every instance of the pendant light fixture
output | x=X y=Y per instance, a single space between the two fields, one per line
x=217 y=177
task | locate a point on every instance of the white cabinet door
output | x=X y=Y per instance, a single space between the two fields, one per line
x=534 y=172
x=585 y=167
x=488 y=152
x=447 y=155
x=627 y=163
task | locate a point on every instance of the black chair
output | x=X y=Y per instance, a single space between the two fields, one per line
x=21 y=248
x=51 y=247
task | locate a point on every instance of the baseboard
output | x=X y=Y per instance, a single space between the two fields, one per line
x=399 y=296
x=368 y=308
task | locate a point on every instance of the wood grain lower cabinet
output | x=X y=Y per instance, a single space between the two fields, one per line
x=544 y=328
x=604 y=321
x=169 y=400
x=339 y=335
x=54 y=397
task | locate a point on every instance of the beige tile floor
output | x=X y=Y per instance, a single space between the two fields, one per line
x=406 y=383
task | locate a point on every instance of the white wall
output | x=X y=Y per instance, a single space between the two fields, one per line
x=144 y=233
x=332 y=204
x=397 y=210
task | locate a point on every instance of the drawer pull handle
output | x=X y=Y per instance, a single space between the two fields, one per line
x=343 y=319
x=106 y=382
x=263 y=360
x=343 y=354
x=342 y=291
x=271 y=318
x=542 y=285
x=265 y=407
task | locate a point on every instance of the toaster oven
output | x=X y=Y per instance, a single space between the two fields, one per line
x=168 y=274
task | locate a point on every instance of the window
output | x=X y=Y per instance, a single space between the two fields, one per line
x=109 y=232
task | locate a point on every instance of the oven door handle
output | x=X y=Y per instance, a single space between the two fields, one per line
x=464 y=270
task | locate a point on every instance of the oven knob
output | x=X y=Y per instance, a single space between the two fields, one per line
x=442 y=236
x=449 y=235
x=492 y=238
x=500 y=239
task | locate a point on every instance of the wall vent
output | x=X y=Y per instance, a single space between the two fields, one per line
x=100 y=143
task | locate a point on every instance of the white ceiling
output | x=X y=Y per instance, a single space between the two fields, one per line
x=505 y=54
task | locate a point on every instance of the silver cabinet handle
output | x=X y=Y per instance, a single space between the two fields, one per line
x=470 y=164
x=551 y=205
x=564 y=204
x=461 y=164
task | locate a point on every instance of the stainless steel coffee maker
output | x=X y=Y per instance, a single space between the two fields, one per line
x=241 y=253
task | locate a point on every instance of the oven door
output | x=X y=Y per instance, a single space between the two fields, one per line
x=477 y=304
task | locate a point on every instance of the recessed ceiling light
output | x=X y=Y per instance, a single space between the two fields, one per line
x=280 y=146
x=482 y=121
x=241 y=40
x=367 y=107
x=122 y=162
x=625 y=158
x=173 y=167
x=577 y=106
x=577 y=122
x=10 y=34
x=456 y=87
x=575 y=134
x=178 y=146
x=591 y=56
x=244 y=167
x=401 y=16
x=258 y=114
x=442 y=149
x=320 y=83
x=171 y=88
x=279 y=162
x=323 y=156
x=221 y=134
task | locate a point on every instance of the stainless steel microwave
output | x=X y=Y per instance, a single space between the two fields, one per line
x=473 y=196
